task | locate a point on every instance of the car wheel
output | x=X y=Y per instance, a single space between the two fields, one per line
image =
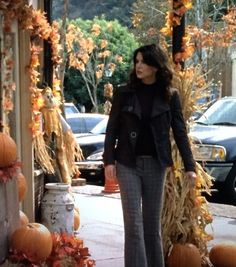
x=230 y=185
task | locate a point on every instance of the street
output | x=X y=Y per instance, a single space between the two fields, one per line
x=219 y=198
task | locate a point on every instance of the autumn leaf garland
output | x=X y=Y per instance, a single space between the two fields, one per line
x=36 y=23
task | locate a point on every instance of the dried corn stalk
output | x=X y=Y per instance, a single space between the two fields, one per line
x=185 y=212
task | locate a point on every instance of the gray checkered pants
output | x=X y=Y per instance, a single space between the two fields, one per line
x=142 y=200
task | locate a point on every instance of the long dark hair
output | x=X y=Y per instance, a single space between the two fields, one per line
x=153 y=55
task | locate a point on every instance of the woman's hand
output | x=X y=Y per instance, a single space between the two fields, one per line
x=110 y=173
x=192 y=178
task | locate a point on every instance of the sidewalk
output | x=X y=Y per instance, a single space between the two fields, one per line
x=102 y=224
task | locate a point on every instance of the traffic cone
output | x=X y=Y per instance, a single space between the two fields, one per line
x=111 y=186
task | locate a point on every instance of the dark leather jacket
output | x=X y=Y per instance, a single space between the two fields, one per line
x=124 y=126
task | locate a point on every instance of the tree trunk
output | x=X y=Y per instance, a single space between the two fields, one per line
x=95 y=98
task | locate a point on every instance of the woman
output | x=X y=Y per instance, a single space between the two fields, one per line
x=138 y=151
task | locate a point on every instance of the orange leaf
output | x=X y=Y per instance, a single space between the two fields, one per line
x=61 y=252
x=96 y=29
x=57 y=264
x=69 y=250
x=84 y=251
x=104 y=44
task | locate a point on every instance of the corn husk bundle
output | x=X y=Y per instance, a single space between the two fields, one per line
x=108 y=90
x=73 y=152
x=41 y=154
x=185 y=211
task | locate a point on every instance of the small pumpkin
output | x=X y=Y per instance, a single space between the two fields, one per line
x=76 y=219
x=22 y=186
x=24 y=220
x=8 y=151
x=184 y=255
x=223 y=255
x=34 y=240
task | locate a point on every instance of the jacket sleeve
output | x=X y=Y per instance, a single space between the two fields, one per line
x=112 y=130
x=180 y=133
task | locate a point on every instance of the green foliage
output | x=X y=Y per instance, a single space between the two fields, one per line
x=120 y=42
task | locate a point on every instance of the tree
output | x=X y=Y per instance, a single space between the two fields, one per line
x=96 y=50
x=212 y=33
x=148 y=17
x=208 y=32
x=88 y=9
x=61 y=67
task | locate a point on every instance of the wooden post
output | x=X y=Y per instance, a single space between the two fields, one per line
x=177 y=37
x=27 y=157
x=48 y=65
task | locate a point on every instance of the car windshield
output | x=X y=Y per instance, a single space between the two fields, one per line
x=70 y=108
x=100 y=128
x=83 y=124
x=222 y=112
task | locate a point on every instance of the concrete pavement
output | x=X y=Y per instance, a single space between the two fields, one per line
x=102 y=224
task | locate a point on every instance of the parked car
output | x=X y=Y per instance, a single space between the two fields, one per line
x=214 y=134
x=92 y=146
x=83 y=123
x=70 y=108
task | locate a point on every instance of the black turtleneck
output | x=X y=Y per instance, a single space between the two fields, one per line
x=145 y=143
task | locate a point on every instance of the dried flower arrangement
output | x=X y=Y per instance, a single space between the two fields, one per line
x=67 y=251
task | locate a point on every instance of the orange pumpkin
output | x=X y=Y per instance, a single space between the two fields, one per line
x=22 y=186
x=76 y=219
x=23 y=219
x=8 y=152
x=223 y=255
x=34 y=240
x=184 y=255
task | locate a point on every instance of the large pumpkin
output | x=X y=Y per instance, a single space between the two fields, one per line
x=24 y=220
x=34 y=240
x=8 y=152
x=223 y=255
x=22 y=186
x=184 y=255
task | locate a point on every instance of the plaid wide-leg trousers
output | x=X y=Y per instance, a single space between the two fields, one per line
x=142 y=189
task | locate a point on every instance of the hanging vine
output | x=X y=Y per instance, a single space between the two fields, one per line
x=35 y=22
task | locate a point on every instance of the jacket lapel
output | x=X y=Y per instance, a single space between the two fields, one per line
x=132 y=105
x=159 y=106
